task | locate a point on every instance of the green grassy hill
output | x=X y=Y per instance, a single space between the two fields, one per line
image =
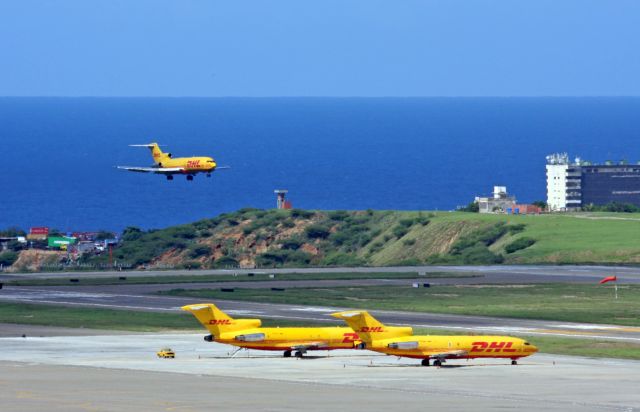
x=297 y=238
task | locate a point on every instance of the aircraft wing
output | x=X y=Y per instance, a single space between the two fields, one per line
x=158 y=170
x=453 y=353
x=309 y=345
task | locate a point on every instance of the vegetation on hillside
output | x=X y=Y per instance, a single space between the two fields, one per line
x=298 y=238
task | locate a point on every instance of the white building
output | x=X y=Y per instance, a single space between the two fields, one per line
x=563 y=183
x=500 y=202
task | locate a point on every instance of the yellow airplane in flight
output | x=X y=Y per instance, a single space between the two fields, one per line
x=247 y=333
x=379 y=338
x=168 y=166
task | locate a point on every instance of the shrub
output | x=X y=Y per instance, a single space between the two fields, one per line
x=305 y=214
x=519 y=244
x=283 y=257
x=225 y=262
x=409 y=242
x=338 y=215
x=131 y=233
x=517 y=228
x=342 y=259
x=480 y=255
x=195 y=251
x=399 y=231
x=407 y=222
x=291 y=244
x=288 y=223
x=8 y=258
x=317 y=232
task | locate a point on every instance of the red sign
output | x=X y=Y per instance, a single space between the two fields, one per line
x=39 y=231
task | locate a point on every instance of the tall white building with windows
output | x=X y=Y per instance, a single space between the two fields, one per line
x=563 y=183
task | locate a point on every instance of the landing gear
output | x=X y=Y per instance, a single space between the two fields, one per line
x=514 y=362
x=189 y=177
x=298 y=354
x=425 y=362
x=208 y=174
x=169 y=177
x=287 y=354
x=437 y=362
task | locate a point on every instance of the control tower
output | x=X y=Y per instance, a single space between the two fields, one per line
x=280 y=198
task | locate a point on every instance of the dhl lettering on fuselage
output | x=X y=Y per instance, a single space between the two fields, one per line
x=488 y=347
x=350 y=338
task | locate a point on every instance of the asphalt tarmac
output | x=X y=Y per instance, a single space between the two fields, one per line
x=122 y=373
x=514 y=273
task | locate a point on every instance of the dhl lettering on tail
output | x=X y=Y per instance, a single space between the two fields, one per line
x=492 y=347
x=370 y=329
x=220 y=322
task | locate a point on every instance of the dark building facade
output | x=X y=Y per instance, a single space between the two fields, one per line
x=604 y=184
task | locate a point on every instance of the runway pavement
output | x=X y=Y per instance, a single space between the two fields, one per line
x=518 y=273
x=122 y=373
x=121 y=297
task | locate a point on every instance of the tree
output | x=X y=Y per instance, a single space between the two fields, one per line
x=472 y=207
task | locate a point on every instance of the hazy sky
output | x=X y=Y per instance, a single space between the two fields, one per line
x=319 y=48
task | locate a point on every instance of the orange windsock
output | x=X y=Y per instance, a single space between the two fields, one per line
x=608 y=279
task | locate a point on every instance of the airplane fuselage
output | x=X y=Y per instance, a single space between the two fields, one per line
x=279 y=339
x=470 y=347
x=190 y=165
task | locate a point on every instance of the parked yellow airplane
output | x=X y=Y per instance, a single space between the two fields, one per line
x=379 y=338
x=168 y=166
x=247 y=333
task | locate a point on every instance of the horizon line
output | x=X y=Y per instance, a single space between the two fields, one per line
x=316 y=97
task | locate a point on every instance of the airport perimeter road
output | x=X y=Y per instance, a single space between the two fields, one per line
x=127 y=300
x=122 y=373
x=498 y=273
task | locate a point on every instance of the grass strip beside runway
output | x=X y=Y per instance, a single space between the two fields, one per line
x=108 y=319
x=551 y=301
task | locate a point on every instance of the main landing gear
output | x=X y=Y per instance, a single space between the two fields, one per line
x=189 y=177
x=297 y=354
x=169 y=177
x=436 y=362
x=514 y=362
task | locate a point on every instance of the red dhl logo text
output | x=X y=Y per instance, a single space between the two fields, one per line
x=220 y=322
x=369 y=329
x=492 y=347
x=350 y=337
x=193 y=163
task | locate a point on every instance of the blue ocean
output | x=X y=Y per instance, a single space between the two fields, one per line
x=58 y=154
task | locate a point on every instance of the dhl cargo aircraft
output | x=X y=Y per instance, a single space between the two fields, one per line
x=380 y=338
x=168 y=166
x=247 y=333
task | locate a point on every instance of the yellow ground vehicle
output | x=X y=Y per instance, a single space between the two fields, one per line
x=166 y=353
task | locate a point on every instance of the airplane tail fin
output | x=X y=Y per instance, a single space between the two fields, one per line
x=370 y=328
x=218 y=322
x=158 y=155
